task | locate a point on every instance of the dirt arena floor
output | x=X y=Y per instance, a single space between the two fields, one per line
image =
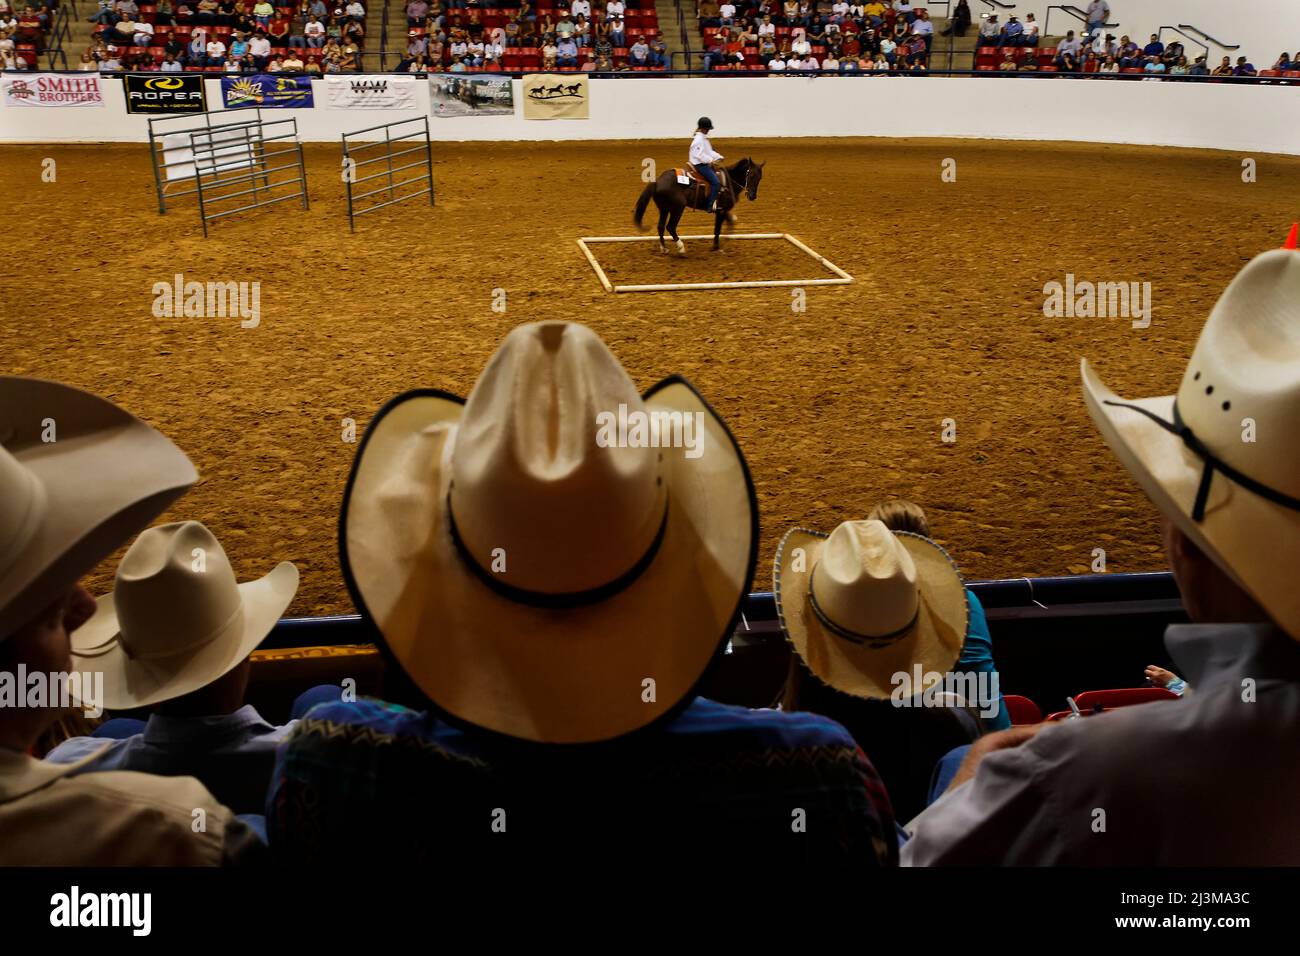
x=836 y=407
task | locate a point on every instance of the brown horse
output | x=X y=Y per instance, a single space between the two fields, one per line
x=673 y=198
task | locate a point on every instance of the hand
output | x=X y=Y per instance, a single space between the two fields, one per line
x=999 y=740
x=1160 y=677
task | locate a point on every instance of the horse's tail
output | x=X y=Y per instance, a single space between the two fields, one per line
x=646 y=195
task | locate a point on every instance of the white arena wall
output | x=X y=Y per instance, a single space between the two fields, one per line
x=1238 y=117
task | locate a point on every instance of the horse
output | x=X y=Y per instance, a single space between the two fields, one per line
x=673 y=198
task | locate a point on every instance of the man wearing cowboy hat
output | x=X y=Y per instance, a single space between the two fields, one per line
x=175 y=635
x=78 y=476
x=1210 y=779
x=556 y=596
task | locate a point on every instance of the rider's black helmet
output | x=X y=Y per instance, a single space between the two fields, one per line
x=704 y=123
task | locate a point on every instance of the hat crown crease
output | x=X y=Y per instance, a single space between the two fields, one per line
x=175 y=591
x=530 y=480
x=866 y=581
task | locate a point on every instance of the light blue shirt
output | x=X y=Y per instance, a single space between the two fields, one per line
x=232 y=755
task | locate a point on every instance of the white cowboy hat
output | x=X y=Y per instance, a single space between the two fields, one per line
x=531 y=580
x=1220 y=459
x=176 y=620
x=865 y=603
x=78 y=477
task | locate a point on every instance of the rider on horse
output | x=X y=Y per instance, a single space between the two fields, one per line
x=703 y=159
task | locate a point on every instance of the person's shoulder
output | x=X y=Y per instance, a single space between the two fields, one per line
x=76 y=748
x=766 y=727
x=369 y=712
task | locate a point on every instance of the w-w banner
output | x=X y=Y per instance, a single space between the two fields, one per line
x=267 y=91
x=555 y=96
x=52 y=89
x=370 y=92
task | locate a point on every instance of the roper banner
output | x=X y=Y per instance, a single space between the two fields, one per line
x=267 y=91
x=454 y=94
x=52 y=89
x=164 y=93
x=370 y=92
x=555 y=96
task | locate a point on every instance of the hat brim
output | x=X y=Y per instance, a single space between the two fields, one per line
x=934 y=641
x=575 y=675
x=1235 y=520
x=105 y=477
x=131 y=683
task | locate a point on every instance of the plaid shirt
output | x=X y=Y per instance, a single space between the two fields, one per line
x=378 y=781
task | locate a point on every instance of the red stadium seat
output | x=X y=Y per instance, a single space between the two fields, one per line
x=1022 y=710
x=1121 y=697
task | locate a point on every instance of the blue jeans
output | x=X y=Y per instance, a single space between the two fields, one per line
x=945 y=770
x=705 y=170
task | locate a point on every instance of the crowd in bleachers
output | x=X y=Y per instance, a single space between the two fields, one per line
x=556 y=35
x=770 y=36
x=551 y=581
x=23 y=33
x=228 y=36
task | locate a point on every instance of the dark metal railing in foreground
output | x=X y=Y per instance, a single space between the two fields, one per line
x=1046 y=598
x=409 y=138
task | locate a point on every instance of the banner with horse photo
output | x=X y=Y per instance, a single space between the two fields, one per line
x=555 y=96
x=454 y=94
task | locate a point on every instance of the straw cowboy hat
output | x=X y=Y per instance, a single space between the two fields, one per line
x=528 y=577
x=176 y=620
x=1220 y=458
x=865 y=603
x=78 y=477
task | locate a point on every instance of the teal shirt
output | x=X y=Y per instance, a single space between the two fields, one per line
x=977 y=656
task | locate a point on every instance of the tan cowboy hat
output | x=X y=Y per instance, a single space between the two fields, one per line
x=864 y=603
x=176 y=619
x=535 y=570
x=78 y=477
x=1220 y=459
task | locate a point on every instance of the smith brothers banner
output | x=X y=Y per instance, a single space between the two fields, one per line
x=555 y=96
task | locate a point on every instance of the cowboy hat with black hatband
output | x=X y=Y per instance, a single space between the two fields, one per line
x=531 y=579
x=176 y=619
x=1221 y=458
x=78 y=477
x=864 y=604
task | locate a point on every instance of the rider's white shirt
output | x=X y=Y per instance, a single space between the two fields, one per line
x=702 y=150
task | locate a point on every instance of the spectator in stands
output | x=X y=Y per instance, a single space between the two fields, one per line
x=580 y=8
x=1098 y=13
x=602 y=64
x=216 y=51
x=143 y=35
x=259 y=50
x=659 y=57
x=313 y=33
x=639 y=53
x=493 y=52
x=1208 y=780
x=233 y=64
x=1153 y=48
x=1283 y=62
x=960 y=20
x=275 y=66
x=59 y=529
x=566 y=719
x=923 y=27
x=549 y=53
x=88 y=61
x=198 y=48
x=869 y=580
x=238 y=46
x=1110 y=65
x=717 y=55
x=566 y=53
x=801 y=47
x=1244 y=67
x=582 y=32
x=1012 y=33
x=1029 y=36
x=1129 y=54
x=1154 y=65
x=710 y=14
x=888 y=50
x=293 y=62
x=777 y=64
x=1199 y=68
x=355 y=10
x=175 y=638
x=990 y=31
x=1067 y=52
x=206 y=12
x=478 y=52
x=1172 y=52
x=617 y=34
x=354 y=31
x=416 y=12
x=262 y=13
x=1224 y=68
x=1104 y=46
x=350 y=55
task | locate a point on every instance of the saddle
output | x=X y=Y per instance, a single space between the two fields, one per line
x=697 y=192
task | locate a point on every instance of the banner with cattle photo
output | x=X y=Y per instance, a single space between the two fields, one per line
x=555 y=96
x=52 y=89
x=370 y=92
x=454 y=94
